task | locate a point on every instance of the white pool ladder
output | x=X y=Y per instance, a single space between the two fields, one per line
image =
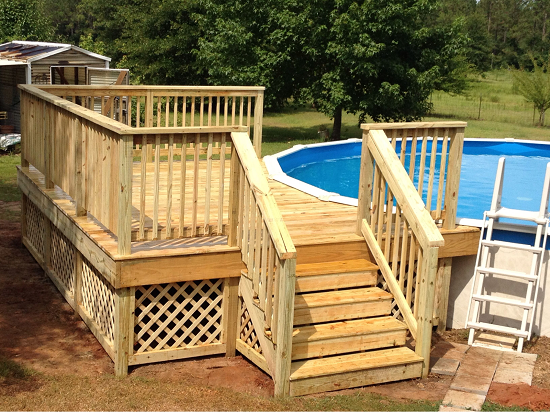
x=483 y=262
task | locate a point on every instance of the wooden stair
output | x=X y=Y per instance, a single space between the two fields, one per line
x=344 y=336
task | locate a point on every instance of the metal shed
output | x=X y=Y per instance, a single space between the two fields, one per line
x=29 y=62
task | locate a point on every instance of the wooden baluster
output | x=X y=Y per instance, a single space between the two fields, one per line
x=263 y=267
x=412 y=160
x=442 y=167
x=422 y=164
x=196 y=185
x=433 y=157
x=167 y=112
x=410 y=274
x=381 y=201
x=417 y=283
x=159 y=111
x=208 y=188
x=225 y=110
x=403 y=154
x=183 y=173
x=175 y=116
x=404 y=250
x=192 y=113
x=269 y=286
x=258 y=252
x=156 y=196
x=246 y=230
x=221 y=183
x=389 y=221
x=218 y=110
x=276 y=292
x=209 y=120
x=233 y=107
x=184 y=111
x=396 y=236
x=143 y=188
x=375 y=197
x=251 y=238
x=169 y=186
x=241 y=110
x=201 y=111
x=138 y=112
x=248 y=112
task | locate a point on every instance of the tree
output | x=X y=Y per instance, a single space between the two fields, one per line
x=535 y=86
x=375 y=58
x=24 y=20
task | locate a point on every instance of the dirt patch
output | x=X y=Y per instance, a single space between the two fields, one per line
x=541 y=346
x=521 y=395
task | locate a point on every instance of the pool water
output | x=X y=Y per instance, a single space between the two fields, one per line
x=335 y=168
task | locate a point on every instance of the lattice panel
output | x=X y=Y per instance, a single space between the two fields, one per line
x=98 y=299
x=395 y=312
x=246 y=328
x=177 y=315
x=63 y=256
x=36 y=225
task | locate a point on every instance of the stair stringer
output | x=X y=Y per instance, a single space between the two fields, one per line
x=257 y=318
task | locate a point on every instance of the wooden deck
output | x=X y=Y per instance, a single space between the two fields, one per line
x=315 y=226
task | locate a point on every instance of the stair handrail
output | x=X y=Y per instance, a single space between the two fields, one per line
x=267 y=251
x=386 y=224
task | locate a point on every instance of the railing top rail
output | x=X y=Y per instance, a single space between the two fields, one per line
x=420 y=220
x=258 y=182
x=118 y=127
x=412 y=125
x=155 y=88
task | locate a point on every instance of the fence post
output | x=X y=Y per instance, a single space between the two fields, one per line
x=122 y=335
x=364 y=197
x=258 y=119
x=79 y=161
x=285 y=327
x=124 y=232
x=47 y=129
x=424 y=314
x=453 y=178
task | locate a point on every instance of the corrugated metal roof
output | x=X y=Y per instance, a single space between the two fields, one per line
x=26 y=51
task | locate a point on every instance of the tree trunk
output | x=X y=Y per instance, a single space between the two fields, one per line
x=337 y=125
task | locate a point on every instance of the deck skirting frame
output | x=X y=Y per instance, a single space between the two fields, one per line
x=134 y=325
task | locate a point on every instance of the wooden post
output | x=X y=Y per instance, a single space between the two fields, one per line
x=365 y=184
x=234 y=194
x=453 y=178
x=79 y=161
x=149 y=121
x=442 y=292
x=285 y=322
x=123 y=320
x=48 y=128
x=230 y=315
x=124 y=231
x=425 y=306
x=258 y=119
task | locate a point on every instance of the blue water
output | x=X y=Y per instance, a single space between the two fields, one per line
x=335 y=168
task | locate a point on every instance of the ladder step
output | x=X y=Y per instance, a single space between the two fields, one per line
x=504 y=301
x=517 y=214
x=518 y=246
x=504 y=272
x=497 y=328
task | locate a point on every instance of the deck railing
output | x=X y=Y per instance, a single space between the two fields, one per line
x=437 y=188
x=173 y=106
x=257 y=227
x=402 y=236
x=91 y=158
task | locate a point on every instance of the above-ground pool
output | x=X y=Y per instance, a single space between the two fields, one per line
x=330 y=171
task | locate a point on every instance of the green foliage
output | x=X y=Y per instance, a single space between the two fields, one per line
x=24 y=20
x=535 y=86
x=87 y=42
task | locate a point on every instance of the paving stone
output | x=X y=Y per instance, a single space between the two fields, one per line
x=465 y=400
x=444 y=366
x=450 y=350
x=485 y=353
x=526 y=358
x=450 y=408
x=504 y=375
x=473 y=384
x=477 y=367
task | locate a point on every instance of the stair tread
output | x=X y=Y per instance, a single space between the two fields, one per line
x=329 y=268
x=352 y=362
x=335 y=330
x=340 y=297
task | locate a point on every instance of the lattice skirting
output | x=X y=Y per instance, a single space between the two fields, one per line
x=247 y=333
x=178 y=315
x=63 y=260
x=36 y=227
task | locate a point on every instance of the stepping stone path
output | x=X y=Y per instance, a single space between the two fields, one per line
x=474 y=368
